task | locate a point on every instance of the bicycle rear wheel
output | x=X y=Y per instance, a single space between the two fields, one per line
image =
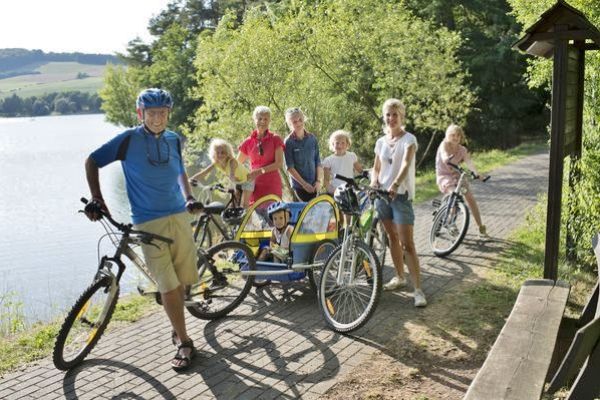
x=348 y=300
x=203 y=234
x=85 y=324
x=221 y=287
x=378 y=240
x=449 y=229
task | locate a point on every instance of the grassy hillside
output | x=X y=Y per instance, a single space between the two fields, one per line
x=53 y=77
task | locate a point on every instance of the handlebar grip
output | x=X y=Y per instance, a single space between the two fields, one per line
x=487 y=178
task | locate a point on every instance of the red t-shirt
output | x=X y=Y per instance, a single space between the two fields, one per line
x=269 y=183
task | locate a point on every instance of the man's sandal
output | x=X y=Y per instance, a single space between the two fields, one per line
x=187 y=360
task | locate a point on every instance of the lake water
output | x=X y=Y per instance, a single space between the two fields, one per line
x=48 y=251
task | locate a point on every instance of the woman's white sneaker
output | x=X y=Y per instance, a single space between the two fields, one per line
x=395 y=283
x=420 y=300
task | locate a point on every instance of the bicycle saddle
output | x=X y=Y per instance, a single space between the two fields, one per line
x=215 y=207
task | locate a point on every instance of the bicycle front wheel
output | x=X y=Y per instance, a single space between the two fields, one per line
x=222 y=285
x=449 y=229
x=85 y=324
x=348 y=297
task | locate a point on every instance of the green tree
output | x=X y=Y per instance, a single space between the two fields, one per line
x=338 y=70
x=168 y=60
x=506 y=109
x=12 y=105
x=120 y=90
x=40 y=107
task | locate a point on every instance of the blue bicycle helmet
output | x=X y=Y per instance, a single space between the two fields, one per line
x=153 y=97
x=277 y=206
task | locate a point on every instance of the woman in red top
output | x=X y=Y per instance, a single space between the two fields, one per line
x=264 y=149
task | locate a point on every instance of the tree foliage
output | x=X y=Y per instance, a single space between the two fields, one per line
x=506 y=109
x=318 y=57
x=121 y=86
x=584 y=201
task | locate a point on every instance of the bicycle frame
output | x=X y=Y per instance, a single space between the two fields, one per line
x=206 y=219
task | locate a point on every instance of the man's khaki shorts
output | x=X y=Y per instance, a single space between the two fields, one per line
x=171 y=265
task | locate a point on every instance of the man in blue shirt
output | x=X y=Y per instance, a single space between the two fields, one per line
x=302 y=157
x=159 y=194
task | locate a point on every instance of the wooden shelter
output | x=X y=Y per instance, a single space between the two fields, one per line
x=565 y=34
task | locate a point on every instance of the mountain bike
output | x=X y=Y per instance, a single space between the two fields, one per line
x=220 y=289
x=452 y=216
x=351 y=279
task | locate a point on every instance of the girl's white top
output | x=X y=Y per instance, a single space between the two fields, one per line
x=341 y=165
x=391 y=159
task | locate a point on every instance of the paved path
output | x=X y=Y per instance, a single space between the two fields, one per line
x=276 y=345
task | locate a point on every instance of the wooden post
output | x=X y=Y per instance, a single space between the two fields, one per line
x=574 y=172
x=559 y=92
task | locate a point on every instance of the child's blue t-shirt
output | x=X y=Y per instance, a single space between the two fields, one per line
x=151 y=167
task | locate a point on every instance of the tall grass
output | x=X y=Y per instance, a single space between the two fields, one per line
x=12 y=317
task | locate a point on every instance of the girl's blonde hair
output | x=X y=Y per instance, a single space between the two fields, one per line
x=216 y=144
x=337 y=134
x=456 y=128
x=396 y=105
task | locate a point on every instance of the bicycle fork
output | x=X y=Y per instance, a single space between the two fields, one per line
x=342 y=269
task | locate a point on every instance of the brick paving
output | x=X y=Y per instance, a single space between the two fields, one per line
x=276 y=345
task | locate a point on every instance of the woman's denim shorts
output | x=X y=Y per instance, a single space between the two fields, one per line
x=399 y=210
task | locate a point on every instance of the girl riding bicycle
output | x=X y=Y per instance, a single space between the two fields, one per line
x=221 y=154
x=452 y=149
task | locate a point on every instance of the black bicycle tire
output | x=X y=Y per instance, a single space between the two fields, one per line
x=59 y=346
x=312 y=279
x=200 y=313
x=376 y=229
x=371 y=306
x=437 y=220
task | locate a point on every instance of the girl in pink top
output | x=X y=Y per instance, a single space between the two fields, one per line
x=264 y=149
x=452 y=150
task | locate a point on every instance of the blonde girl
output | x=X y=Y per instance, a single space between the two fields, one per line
x=341 y=162
x=452 y=149
x=222 y=158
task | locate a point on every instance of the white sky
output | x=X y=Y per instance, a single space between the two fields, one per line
x=87 y=26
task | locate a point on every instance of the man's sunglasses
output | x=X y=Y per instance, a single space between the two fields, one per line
x=162 y=152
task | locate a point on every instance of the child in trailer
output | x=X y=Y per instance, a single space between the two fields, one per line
x=222 y=158
x=452 y=150
x=279 y=245
x=341 y=162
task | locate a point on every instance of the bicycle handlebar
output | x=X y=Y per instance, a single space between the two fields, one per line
x=145 y=237
x=218 y=187
x=463 y=171
x=352 y=182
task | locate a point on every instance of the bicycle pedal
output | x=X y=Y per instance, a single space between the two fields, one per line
x=436 y=203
